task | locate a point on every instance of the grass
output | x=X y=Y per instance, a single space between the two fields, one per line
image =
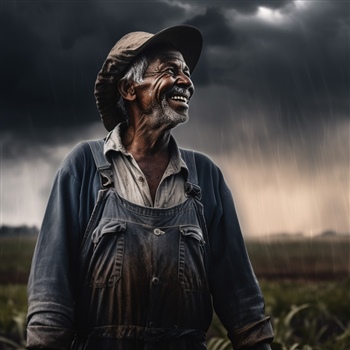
x=305 y=316
x=13 y=309
x=280 y=295
x=310 y=314
x=15 y=258
x=305 y=282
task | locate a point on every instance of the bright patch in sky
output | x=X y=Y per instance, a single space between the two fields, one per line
x=300 y=4
x=269 y=15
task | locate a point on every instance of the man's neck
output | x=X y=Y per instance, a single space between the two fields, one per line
x=143 y=142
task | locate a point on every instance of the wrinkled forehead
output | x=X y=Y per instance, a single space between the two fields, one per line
x=165 y=54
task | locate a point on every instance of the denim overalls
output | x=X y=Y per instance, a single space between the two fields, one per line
x=143 y=272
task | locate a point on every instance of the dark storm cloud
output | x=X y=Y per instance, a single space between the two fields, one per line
x=293 y=71
x=52 y=53
x=299 y=64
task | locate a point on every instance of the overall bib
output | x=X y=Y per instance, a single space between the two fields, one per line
x=143 y=273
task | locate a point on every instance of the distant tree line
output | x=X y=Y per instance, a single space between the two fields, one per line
x=6 y=230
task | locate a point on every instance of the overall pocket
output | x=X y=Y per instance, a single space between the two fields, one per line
x=106 y=264
x=191 y=270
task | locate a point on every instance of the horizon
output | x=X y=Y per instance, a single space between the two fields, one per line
x=8 y=230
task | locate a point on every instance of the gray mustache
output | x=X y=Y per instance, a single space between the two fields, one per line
x=176 y=90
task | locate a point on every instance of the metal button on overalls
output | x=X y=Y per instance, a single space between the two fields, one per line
x=155 y=281
x=158 y=232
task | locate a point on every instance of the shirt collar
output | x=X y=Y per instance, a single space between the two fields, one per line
x=113 y=142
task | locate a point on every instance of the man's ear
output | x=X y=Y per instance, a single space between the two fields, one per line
x=126 y=90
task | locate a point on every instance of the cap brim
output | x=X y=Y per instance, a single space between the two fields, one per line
x=185 y=38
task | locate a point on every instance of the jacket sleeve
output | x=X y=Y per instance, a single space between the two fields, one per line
x=51 y=285
x=237 y=297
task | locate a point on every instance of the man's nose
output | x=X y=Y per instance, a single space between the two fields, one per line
x=185 y=81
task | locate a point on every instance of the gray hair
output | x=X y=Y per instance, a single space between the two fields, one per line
x=134 y=74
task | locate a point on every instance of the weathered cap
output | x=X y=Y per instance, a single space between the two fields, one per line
x=187 y=39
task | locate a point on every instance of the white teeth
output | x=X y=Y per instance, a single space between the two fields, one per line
x=179 y=98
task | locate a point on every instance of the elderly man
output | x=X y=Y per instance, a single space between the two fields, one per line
x=140 y=238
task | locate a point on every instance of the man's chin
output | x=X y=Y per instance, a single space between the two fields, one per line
x=177 y=119
x=169 y=118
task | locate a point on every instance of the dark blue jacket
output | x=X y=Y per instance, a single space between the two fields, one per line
x=53 y=279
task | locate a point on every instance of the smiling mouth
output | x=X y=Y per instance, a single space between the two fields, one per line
x=180 y=98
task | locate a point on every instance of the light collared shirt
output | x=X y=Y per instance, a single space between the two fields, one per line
x=130 y=182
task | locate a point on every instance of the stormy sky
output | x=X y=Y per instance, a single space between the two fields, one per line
x=271 y=106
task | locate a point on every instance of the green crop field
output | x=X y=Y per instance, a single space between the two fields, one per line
x=15 y=258
x=294 y=257
x=306 y=284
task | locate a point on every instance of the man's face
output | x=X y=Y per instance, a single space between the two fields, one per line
x=164 y=94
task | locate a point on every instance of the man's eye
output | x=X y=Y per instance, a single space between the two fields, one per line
x=171 y=71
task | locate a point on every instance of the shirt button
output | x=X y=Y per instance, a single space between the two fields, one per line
x=141 y=179
x=155 y=281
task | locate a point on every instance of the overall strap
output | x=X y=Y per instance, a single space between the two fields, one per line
x=103 y=166
x=192 y=188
